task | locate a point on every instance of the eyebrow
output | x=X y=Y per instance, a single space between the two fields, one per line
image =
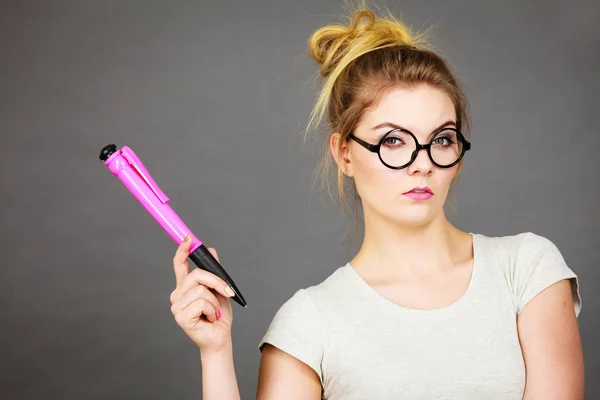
x=395 y=126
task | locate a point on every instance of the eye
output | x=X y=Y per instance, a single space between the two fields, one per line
x=392 y=142
x=443 y=141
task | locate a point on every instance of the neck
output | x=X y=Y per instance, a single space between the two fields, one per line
x=410 y=251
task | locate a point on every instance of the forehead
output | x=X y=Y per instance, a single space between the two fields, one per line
x=419 y=109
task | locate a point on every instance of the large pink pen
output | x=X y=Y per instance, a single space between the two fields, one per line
x=128 y=167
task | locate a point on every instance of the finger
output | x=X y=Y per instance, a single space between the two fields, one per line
x=201 y=277
x=214 y=253
x=198 y=308
x=180 y=263
x=199 y=292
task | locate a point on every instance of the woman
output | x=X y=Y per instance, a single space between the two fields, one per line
x=424 y=310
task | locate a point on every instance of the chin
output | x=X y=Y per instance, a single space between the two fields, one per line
x=413 y=217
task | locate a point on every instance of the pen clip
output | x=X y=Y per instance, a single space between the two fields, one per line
x=135 y=161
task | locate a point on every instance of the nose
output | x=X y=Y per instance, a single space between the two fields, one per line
x=422 y=163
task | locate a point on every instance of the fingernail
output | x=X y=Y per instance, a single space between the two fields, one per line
x=185 y=239
x=229 y=291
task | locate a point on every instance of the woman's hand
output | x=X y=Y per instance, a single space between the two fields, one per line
x=200 y=303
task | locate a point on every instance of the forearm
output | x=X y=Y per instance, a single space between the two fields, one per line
x=551 y=394
x=218 y=376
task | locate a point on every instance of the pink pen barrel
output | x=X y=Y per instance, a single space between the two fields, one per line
x=161 y=212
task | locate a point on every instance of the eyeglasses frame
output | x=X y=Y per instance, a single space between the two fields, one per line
x=375 y=148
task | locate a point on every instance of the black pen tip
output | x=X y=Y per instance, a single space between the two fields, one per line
x=238 y=298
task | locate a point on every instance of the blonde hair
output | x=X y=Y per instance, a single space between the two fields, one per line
x=360 y=62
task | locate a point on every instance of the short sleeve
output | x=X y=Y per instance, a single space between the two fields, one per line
x=539 y=264
x=298 y=329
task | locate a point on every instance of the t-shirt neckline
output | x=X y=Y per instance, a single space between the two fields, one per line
x=368 y=291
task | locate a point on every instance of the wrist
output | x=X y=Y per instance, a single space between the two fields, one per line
x=218 y=374
x=225 y=352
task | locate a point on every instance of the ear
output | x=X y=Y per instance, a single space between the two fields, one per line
x=344 y=162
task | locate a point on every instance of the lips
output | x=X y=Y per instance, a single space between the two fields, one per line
x=423 y=189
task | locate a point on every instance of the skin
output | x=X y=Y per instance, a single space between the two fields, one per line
x=398 y=260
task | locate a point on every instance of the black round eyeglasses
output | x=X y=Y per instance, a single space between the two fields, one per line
x=398 y=148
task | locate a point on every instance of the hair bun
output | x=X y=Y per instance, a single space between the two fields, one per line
x=328 y=44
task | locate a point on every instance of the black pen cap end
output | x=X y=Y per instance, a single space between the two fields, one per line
x=107 y=151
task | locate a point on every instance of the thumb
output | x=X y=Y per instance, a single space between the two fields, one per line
x=223 y=301
x=214 y=253
x=180 y=263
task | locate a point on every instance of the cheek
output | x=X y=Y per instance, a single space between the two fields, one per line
x=447 y=175
x=365 y=165
x=377 y=184
x=443 y=179
x=370 y=172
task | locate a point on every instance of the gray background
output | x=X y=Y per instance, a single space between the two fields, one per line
x=213 y=96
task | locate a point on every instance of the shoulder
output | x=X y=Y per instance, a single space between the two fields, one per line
x=512 y=243
x=314 y=298
x=528 y=251
x=299 y=327
x=531 y=263
x=528 y=243
x=514 y=251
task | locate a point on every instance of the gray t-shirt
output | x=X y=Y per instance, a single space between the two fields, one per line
x=364 y=346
